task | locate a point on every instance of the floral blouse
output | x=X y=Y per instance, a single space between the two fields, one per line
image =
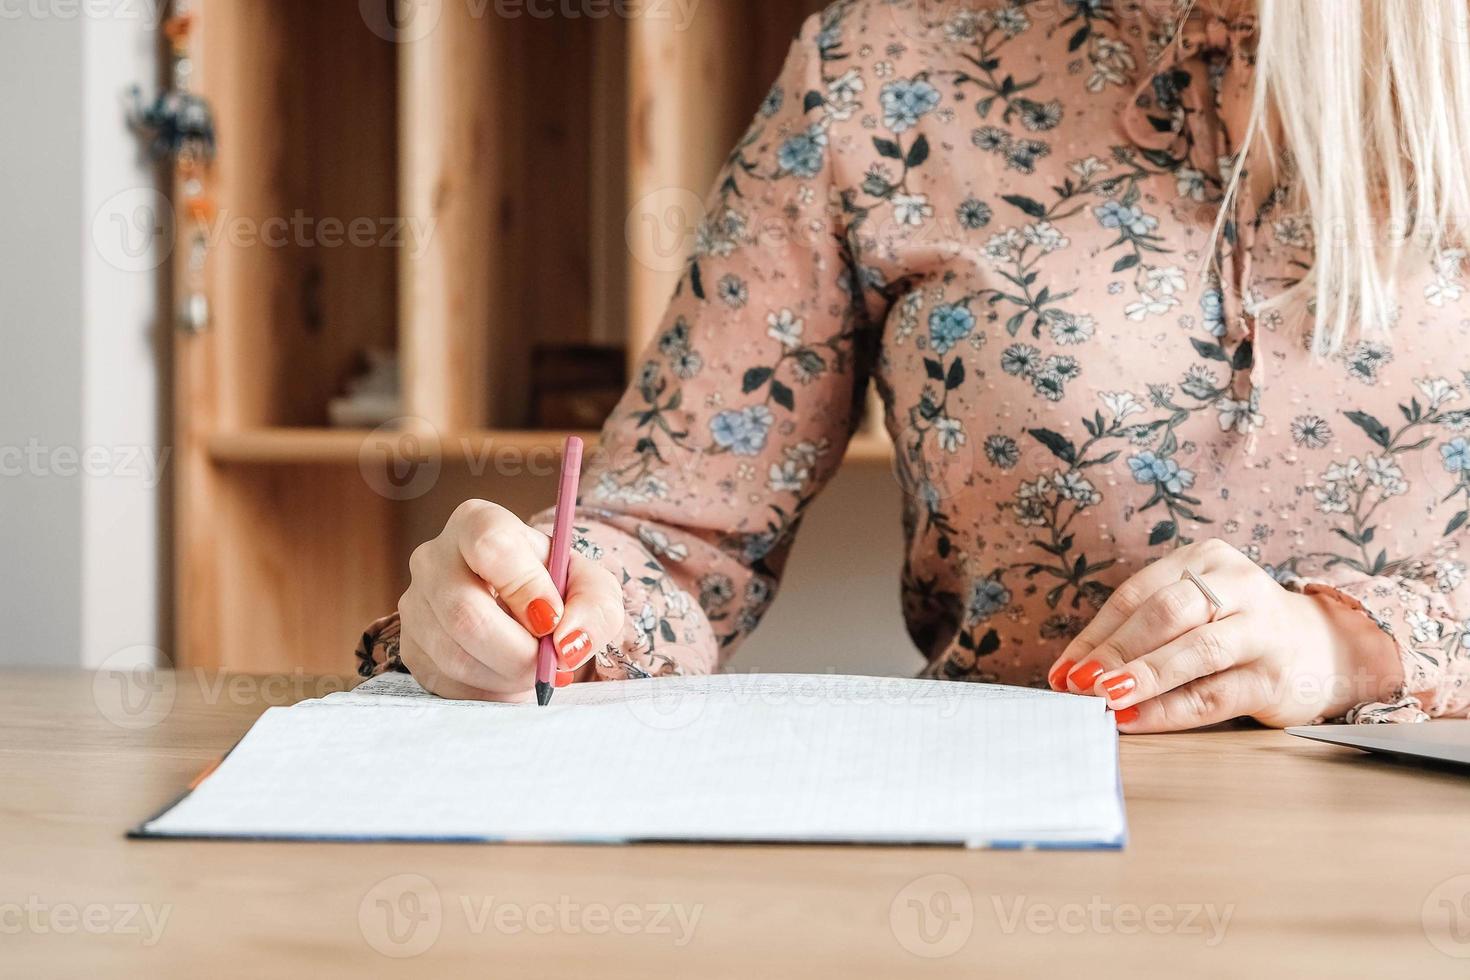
x=1000 y=215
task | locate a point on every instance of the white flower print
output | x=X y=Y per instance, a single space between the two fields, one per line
x=1088 y=167
x=1003 y=246
x=1310 y=431
x=1448 y=575
x=658 y=543
x=1446 y=286
x=1199 y=382
x=1243 y=415
x=1332 y=498
x=1364 y=360
x=1121 y=404
x=1150 y=306
x=1293 y=231
x=1437 y=391
x=786 y=327
x=806 y=453
x=1074 y=486
x=1046 y=236
x=1423 y=629
x=733 y=291
x=962 y=26
x=1166 y=281
x=1190 y=183
x=1012 y=21
x=1031 y=504
x=1386 y=475
x=951 y=433
x=787 y=476
x=1070 y=329
x=1112 y=63
x=912 y=209
x=842 y=95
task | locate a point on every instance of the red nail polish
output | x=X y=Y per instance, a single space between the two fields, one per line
x=1086 y=676
x=563 y=678
x=573 y=648
x=1127 y=716
x=1116 y=687
x=1057 y=679
x=542 y=616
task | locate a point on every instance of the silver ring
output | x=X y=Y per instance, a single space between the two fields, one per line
x=1216 y=606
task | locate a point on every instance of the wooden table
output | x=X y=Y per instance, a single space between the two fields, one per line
x=1252 y=854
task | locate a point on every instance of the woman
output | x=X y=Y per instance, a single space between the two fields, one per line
x=1180 y=423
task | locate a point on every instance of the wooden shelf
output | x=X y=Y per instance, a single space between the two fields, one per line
x=337 y=447
x=496 y=162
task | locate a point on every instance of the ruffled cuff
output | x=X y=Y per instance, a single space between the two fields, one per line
x=377 y=651
x=1401 y=706
x=666 y=632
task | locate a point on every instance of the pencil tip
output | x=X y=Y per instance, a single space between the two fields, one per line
x=543 y=693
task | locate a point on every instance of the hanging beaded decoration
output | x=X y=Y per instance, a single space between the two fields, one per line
x=180 y=126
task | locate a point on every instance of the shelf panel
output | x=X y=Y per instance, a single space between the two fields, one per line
x=295 y=446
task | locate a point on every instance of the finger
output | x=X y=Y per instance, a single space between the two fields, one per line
x=475 y=622
x=1168 y=614
x=594 y=613
x=1211 y=649
x=422 y=634
x=1207 y=701
x=511 y=558
x=1127 y=598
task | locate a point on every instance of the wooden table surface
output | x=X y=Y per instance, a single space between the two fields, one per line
x=1252 y=854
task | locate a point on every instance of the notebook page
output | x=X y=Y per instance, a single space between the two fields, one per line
x=983 y=770
x=740 y=688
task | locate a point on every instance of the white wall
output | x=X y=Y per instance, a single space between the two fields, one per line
x=79 y=559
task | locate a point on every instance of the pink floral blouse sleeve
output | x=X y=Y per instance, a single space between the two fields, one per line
x=744 y=403
x=746 y=398
x=1418 y=606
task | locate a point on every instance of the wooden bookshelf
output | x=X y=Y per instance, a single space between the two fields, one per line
x=523 y=144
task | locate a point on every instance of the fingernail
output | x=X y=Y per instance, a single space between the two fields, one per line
x=563 y=678
x=1057 y=679
x=542 y=615
x=1116 y=687
x=1127 y=715
x=573 y=647
x=1086 y=676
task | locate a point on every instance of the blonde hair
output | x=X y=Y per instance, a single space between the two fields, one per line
x=1368 y=104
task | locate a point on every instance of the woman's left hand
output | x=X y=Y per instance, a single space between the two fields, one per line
x=1165 y=663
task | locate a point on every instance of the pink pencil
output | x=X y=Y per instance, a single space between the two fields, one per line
x=560 y=559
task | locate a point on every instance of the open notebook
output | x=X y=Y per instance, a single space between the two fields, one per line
x=763 y=757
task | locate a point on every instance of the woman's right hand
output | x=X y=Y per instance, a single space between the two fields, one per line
x=480 y=598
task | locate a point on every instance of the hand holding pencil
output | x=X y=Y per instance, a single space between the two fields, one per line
x=484 y=604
